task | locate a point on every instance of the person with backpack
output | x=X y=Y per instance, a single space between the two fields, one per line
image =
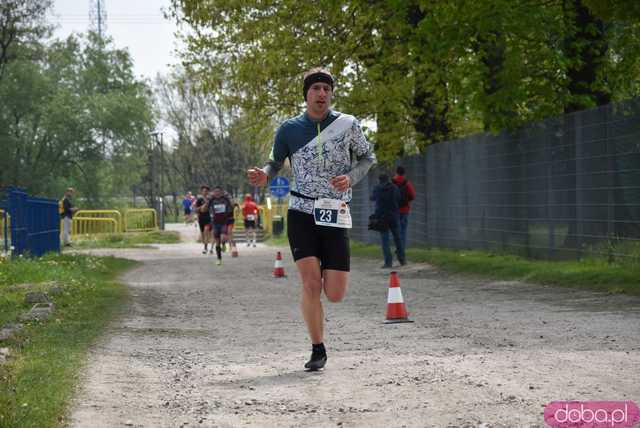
x=407 y=194
x=386 y=196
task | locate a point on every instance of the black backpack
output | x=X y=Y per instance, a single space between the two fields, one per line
x=404 y=193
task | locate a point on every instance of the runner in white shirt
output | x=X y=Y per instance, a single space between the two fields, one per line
x=329 y=154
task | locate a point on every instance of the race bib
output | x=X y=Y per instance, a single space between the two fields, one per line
x=332 y=212
x=219 y=208
x=251 y=217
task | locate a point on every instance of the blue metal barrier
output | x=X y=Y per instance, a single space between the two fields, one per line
x=35 y=223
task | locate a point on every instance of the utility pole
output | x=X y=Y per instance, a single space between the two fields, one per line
x=162 y=166
x=98 y=16
x=153 y=173
x=159 y=141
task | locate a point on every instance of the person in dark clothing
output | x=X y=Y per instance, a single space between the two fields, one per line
x=387 y=198
x=220 y=209
x=67 y=214
x=204 y=218
x=231 y=222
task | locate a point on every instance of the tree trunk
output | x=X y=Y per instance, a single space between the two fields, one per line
x=585 y=50
x=430 y=104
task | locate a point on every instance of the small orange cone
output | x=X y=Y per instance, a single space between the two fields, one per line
x=278 y=270
x=234 y=251
x=396 y=310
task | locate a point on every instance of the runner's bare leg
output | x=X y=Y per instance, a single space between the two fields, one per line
x=334 y=285
x=309 y=270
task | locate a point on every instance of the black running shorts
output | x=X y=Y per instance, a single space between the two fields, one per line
x=202 y=222
x=219 y=229
x=329 y=244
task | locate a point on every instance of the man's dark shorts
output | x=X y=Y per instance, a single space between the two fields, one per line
x=219 y=229
x=249 y=224
x=329 y=244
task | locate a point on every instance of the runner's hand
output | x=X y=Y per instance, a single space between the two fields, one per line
x=257 y=177
x=341 y=183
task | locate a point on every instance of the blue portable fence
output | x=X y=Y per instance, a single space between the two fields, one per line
x=35 y=223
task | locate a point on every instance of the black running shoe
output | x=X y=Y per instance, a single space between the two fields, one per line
x=316 y=362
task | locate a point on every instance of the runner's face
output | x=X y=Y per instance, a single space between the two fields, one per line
x=319 y=99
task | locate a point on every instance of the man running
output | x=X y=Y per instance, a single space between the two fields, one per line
x=204 y=218
x=329 y=154
x=250 y=214
x=219 y=209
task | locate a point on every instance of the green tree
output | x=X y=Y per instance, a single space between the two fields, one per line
x=615 y=10
x=212 y=145
x=254 y=55
x=22 y=22
x=421 y=71
x=74 y=116
x=586 y=49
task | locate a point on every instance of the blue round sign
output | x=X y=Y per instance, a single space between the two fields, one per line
x=279 y=186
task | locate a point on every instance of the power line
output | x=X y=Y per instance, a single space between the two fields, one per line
x=118 y=18
x=116 y=15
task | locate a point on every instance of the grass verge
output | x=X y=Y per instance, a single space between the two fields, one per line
x=594 y=274
x=37 y=380
x=127 y=240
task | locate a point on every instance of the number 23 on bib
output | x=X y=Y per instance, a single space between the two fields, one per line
x=332 y=212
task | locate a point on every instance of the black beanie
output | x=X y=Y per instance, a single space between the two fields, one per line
x=319 y=76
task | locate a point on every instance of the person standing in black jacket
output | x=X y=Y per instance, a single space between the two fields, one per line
x=387 y=198
x=67 y=214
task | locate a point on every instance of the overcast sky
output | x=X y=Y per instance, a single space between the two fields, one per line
x=137 y=25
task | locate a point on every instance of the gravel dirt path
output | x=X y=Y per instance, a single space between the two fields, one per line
x=224 y=346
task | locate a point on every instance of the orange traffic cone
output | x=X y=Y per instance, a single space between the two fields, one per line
x=396 y=310
x=234 y=251
x=278 y=270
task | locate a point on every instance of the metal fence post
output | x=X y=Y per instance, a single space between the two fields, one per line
x=579 y=183
x=549 y=197
x=611 y=171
